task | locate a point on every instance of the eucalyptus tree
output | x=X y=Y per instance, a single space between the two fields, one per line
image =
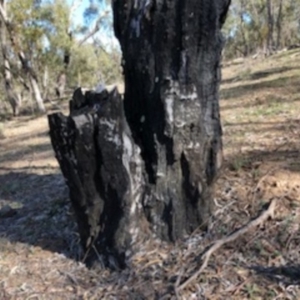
x=261 y=26
x=15 y=16
x=46 y=39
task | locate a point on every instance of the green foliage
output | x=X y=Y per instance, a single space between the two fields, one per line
x=89 y=66
x=250 y=29
x=46 y=32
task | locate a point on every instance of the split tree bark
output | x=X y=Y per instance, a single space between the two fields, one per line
x=144 y=167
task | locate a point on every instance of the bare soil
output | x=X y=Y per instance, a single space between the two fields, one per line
x=39 y=245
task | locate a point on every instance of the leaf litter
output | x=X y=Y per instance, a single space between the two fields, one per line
x=39 y=245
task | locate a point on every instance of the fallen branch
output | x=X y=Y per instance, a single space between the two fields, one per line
x=230 y=238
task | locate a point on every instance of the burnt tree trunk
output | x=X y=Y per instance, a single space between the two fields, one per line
x=145 y=167
x=171 y=60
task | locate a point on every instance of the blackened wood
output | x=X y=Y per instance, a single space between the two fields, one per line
x=171 y=60
x=103 y=171
x=148 y=162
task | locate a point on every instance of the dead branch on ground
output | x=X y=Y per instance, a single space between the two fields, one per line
x=230 y=238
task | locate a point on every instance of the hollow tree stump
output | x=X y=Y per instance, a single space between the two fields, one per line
x=145 y=167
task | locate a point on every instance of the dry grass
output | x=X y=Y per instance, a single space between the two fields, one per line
x=260 y=112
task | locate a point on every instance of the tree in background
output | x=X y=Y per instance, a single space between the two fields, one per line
x=49 y=52
x=13 y=29
x=261 y=26
x=13 y=98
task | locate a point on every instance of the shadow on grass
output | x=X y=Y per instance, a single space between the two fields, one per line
x=290 y=157
x=259 y=74
x=232 y=124
x=25 y=136
x=288 y=274
x=271 y=105
x=25 y=113
x=261 y=127
x=244 y=89
x=29 y=168
x=19 y=154
x=42 y=215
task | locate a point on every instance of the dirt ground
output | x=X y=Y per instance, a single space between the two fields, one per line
x=260 y=109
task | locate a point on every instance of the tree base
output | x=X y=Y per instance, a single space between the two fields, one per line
x=104 y=172
x=145 y=167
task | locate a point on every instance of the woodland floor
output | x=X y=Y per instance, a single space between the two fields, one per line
x=260 y=107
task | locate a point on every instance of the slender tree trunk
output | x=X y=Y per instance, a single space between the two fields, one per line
x=152 y=178
x=37 y=94
x=61 y=84
x=270 y=41
x=45 y=82
x=78 y=78
x=13 y=98
x=242 y=24
x=278 y=25
x=256 y=18
x=25 y=65
x=62 y=77
x=245 y=43
x=35 y=89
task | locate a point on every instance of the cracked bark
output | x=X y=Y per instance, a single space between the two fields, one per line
x=153 y=177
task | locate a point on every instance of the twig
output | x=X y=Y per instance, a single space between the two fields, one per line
x=230 y=238
x=95 y=29
x=240 y=286
x=74 y=7
x=223 y=208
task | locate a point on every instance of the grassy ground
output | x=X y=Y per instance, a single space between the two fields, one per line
x=260 y=102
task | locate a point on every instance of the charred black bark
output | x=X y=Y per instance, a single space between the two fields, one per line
x=155 y=175
x=171 y=60
x=103 y=171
